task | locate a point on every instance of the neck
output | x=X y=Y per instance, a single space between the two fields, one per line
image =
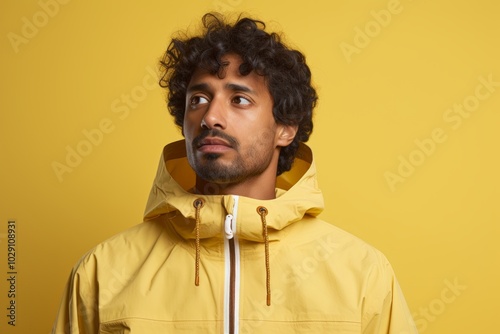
x=253 y=188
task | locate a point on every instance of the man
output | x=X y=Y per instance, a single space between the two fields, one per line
x=231 y=242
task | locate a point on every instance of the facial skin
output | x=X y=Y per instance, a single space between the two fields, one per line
x=232 y=139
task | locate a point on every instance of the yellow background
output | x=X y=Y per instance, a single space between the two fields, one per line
x=438 y=227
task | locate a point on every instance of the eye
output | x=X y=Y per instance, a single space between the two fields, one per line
x=240 y=100
x=196 y=100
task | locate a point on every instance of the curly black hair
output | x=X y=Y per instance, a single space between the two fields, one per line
x=287 y=75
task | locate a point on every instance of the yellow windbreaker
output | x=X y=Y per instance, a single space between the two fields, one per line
x=232 y=264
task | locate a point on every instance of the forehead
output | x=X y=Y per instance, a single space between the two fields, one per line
x=229 y=73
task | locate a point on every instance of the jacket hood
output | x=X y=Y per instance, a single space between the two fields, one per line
x=297 y=195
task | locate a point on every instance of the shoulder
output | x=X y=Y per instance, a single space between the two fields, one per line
x=128 y=248
x=344 y=249
x=334 y=260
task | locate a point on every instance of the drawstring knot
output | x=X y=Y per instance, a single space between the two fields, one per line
x=262 y=211
x=198 y=204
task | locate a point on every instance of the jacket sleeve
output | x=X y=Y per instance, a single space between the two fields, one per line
x=385 y=308
x=78 y=312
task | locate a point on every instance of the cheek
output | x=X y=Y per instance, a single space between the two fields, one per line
x=189 y=125
x=261 y=139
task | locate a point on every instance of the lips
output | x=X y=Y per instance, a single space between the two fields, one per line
x=213 y=145
x=212 y=141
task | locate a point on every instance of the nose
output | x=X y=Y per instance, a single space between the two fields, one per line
x=215 y=116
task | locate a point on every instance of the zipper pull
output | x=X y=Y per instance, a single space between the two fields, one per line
x=228 y=226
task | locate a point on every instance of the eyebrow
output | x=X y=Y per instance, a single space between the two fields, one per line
x=200 y=86
x=231 y=86
x=239 y=88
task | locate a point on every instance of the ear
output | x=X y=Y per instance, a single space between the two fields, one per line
x=285 y=134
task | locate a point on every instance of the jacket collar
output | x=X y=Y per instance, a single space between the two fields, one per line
x=297 y=194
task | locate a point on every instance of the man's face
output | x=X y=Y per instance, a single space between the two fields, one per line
x=231 y=135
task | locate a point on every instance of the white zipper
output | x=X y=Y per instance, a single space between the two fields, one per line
x=232 y=277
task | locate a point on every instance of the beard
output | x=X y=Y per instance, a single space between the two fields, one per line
x=213 y=168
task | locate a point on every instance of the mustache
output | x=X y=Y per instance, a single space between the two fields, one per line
x=216 y=134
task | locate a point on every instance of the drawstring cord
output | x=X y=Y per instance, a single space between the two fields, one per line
x=262 y=211
x=198 y=204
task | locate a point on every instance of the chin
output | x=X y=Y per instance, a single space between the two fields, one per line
x=211 y=156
